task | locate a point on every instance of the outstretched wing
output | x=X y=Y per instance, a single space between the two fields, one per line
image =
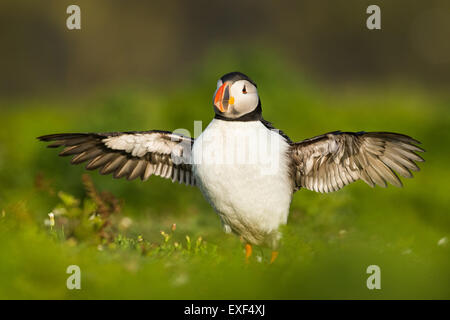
x=331 y=161
x=129 y=154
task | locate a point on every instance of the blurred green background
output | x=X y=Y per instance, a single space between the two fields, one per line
x=140 y=65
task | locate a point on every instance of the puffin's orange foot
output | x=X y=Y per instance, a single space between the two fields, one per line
x=274 y=256
x=248 y=252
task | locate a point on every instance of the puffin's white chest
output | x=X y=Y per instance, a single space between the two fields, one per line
x=242 y=170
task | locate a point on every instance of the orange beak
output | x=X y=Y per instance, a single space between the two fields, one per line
x=222 y=98
x=218 y=99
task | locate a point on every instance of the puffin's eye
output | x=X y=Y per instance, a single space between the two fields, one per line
x=244 y=90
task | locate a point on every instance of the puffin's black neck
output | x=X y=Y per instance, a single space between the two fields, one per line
x=255 y=115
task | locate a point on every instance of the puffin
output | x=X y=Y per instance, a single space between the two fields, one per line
x=245 y=168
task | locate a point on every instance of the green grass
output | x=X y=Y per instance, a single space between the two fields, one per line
x=328 y=243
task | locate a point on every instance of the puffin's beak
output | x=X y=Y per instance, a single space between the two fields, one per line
x=222 y=99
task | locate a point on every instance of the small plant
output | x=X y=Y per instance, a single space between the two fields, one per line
x=94 y=219
x=97 y=220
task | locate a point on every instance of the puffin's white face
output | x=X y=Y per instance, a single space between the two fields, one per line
x=233 y=100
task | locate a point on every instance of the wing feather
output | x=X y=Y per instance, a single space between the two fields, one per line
x=131 y=154
x=331 y=161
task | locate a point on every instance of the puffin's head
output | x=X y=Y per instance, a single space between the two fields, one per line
x=236 y=98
